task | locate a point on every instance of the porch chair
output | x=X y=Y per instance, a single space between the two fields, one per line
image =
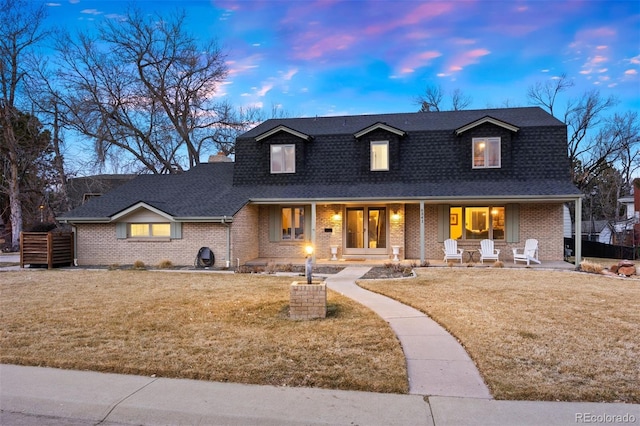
x=451 y=250
x=528 y=254
x=488 y=252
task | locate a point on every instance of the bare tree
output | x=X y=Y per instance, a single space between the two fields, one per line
x=624 y=131
x=431 y=100
x=433 y=95
x=146 y=89
x=545 y=94
x=20 y=32
x=459 y=100
x=583 y=115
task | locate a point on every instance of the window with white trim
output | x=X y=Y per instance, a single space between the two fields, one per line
x=146 y=230
x=379 y=156
x=486 y=153
x=283 y=158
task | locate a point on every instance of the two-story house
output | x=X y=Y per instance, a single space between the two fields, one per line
x=359 y=186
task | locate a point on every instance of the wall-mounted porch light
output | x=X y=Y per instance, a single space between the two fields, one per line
x=395 y=216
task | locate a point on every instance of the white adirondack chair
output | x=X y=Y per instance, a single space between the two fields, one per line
x=487 y=251
x=451 y=250
x=528 y=254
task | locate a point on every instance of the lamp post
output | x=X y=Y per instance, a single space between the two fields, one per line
x=309 y=263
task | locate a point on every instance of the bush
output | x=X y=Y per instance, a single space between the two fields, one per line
x=165 y=264
x=138 y=264
x=591 y=267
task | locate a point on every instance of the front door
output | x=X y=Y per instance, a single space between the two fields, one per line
x=366 y=230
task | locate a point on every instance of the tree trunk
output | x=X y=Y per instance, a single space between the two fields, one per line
x=13 y=184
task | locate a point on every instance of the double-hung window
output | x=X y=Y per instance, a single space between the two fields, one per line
x=379 y=156
x=283 y=158
x=486 y=153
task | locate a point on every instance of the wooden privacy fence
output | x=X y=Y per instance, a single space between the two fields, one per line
x=46 y=248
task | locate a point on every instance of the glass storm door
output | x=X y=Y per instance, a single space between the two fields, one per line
x=366 y=230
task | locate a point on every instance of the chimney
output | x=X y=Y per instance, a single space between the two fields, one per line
x=219 y=158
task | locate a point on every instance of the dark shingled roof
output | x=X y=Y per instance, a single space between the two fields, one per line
x=445 y=120
x=204 y=191
x=208 y=191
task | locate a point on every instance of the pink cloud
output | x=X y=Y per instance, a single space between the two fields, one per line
x=467 y=58
x=424 y=12
x=410 y=64
x=323 y=45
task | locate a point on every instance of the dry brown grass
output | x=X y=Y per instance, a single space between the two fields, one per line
x=536 y=335
x=192 y=325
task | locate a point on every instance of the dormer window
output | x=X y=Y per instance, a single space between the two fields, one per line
x=486 y=153
x=379 y=156
x=283 y=158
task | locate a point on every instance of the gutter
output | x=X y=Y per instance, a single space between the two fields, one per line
x=417 y=199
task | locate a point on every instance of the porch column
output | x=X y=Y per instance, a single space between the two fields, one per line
x=422 y=259
x=578 y=231
x=313 y=231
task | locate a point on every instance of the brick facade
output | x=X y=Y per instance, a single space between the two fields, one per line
x=97 y=245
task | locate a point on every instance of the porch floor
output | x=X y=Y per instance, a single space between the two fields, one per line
x=381 y=262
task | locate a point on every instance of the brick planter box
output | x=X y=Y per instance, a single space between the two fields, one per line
x=307 y=301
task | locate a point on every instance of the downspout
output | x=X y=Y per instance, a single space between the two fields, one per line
x=313 y=231
x=228 y=257
x=578 y=232
x=422 y=256
x=74 y=229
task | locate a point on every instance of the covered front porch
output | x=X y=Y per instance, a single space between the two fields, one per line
x=412 y=231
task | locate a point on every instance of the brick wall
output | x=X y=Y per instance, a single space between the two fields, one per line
x=245 y=234
x=97 y=245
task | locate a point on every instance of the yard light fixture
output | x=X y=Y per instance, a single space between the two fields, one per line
x=309 y=263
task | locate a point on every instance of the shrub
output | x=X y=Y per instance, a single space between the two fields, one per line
x=165 y=264
x=498 y=264
x=591 y=267
x=138 y=264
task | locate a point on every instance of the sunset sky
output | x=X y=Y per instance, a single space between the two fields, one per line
x=329 y=57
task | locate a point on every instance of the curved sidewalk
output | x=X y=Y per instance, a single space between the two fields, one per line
x=437 y=365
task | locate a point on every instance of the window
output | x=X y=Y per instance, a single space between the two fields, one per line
x=477 y=223
x=283 y=158
x=486 y=153
x=142 y=230
x=380 y=156
x=293 y=223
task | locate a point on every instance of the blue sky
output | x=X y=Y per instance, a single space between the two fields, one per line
x=329 y=57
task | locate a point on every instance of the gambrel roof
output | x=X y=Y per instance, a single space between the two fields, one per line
x=432 y=163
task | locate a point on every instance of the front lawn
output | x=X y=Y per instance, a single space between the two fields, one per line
x=205 y=326
x=535 y=334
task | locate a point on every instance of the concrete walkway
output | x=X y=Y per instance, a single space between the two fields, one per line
x=437 y=364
